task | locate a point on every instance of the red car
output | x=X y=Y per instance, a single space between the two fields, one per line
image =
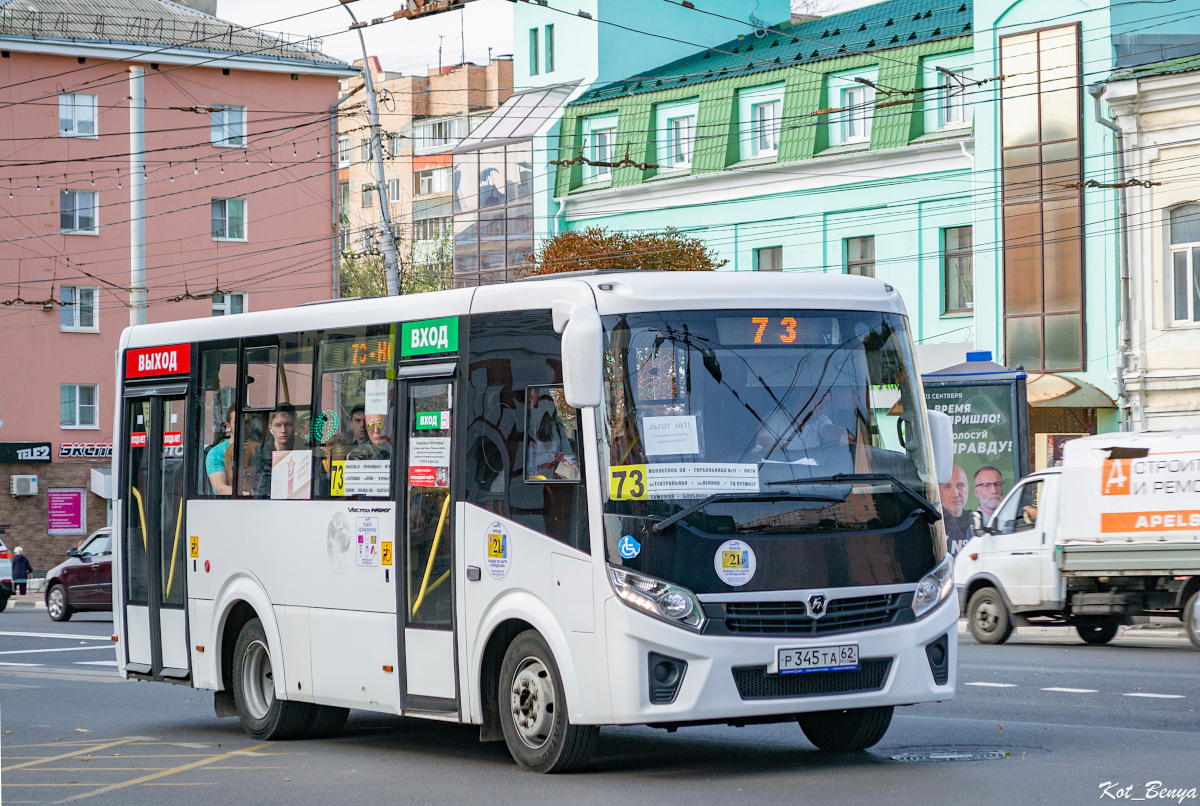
x=83 y=582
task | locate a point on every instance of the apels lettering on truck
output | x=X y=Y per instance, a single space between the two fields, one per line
x=150 y=362
x=429 y=337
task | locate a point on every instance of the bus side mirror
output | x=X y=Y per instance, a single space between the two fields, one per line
x=582 y=353
x=978 y=527
x=941 y=434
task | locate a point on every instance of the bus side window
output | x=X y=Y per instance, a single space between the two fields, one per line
x=218 y=399
x=551 y=436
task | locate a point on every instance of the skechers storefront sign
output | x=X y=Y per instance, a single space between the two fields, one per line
x=428 y=337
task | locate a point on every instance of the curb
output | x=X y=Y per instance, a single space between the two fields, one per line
x=1125 y=631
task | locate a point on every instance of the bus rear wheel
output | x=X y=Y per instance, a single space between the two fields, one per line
x=848 y=730
x=263 y=715
x=533 y=710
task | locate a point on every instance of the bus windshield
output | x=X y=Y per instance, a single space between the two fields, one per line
x=773 y=422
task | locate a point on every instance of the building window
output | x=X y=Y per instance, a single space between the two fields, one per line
x=766 y=125
x=434 y=180
x=954 y=105
x=492 y=210
x=344 y=150
x=769 y=258
x=343 y=239
x=549 y=48
x=856 y=120
x=958 y=274
x=760 y=111
x=229 y=219
x=1184 y=280
x=76 y=115
x=393 y=191
x=227 y=126
x=77 y=211
x=431 y=229
x=78 y=309
x=599 y=145
x=368 y=195
x=365 y=151
x=77 y=405
x=681 y=138
x=860 y=256
x=1043 y=243
x=393 y=145
x=533 y=51
x=343 y=195
x=438 y=134
x=228 y=304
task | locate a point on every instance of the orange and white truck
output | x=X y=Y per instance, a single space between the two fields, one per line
x=1112 y=533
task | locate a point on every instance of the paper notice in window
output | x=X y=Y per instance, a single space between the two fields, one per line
x=291 y=475
x=429 y=451
x=670 y=435
x=375 y=398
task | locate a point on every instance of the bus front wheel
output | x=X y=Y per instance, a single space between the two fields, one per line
x=846 y=731
x=263 y=715
x=533 y=710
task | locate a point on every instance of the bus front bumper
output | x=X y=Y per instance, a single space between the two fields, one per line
x=735 y=677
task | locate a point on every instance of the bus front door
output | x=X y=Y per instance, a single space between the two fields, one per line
x=427 y=628
x=154 y=538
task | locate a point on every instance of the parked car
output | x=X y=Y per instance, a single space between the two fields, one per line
x=84 y=582
x=6 y=586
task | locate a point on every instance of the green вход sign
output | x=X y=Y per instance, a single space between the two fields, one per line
x=429 y=420
x=429 y=336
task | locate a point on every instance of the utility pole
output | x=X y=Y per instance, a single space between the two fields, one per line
x=391 y=268
x=137 y=196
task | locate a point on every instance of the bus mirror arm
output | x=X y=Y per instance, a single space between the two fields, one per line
x=941 y=434
x=582 y=353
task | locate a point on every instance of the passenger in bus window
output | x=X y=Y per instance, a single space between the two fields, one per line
x=551 y=452
x=217 y=460
x=379 y=445
x=357 y=433
x=281 y=428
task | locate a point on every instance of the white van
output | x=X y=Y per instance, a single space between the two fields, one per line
x=1111 y=534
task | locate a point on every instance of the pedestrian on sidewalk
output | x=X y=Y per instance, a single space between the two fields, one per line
x=21 y=570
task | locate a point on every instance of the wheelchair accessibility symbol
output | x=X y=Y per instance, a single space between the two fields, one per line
x=629 y=547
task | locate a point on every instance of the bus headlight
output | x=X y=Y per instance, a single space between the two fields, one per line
x=934 y=587
x=658 y=598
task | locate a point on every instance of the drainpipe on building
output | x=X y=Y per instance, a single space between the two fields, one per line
x=337 y=212
x=137 y=196
x=387 y=238
x=1096 y=90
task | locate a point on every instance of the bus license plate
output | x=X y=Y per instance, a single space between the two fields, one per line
x=819 y=659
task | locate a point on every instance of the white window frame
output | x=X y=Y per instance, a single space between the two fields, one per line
x=76 y=425
x=1190 y=252
x=344 y=150
x=71 y=297
x=222 y=304
x=599 y=145
x=76 y=196
x=763 y=251
x=367 y=195
x=855 y=125
x=756 y=141
x=227 y=126
x=225 y=215
x=365 y=151
x=942 y=94
x=393 y=191
x=669 y=120
x=69 y=106
x=438 y=135
x=430 y=181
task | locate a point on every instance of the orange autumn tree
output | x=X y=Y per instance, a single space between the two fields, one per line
x=596 y=248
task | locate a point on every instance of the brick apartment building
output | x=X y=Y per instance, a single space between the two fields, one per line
x=237 y=166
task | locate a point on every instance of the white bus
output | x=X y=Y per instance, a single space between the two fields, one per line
x=542 y=507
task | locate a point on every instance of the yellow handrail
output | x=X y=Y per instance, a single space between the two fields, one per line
x=174 y=551
x=437 y=537
x=141 y=514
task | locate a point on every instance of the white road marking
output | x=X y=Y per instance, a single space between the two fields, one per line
x=1072 y=690
x=56 y=635
x=993 y=685
x=2 y=663
x=1158 y=696
x=112 y=663
x=53 y=649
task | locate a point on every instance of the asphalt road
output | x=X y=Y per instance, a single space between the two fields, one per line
x=1042 y=719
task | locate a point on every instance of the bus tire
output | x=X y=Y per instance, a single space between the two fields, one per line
x=988 y=617
x=1190 y=622
x=533 y=710
x=56 y=603
x=326 y=721
x=1097 y=633
x=263 y=715
x=848 y=730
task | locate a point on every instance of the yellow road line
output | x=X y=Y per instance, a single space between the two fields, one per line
x=81 y=752
x=172 y=771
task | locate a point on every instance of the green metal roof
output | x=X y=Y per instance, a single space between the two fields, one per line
x=891 y=24
x=1181 y=65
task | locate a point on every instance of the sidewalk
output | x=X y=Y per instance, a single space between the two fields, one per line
x=32 y=599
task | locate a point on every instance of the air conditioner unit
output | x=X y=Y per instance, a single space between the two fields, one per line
x=24 y=485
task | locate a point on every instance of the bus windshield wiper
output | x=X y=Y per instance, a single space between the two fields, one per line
x=662 y=525
x=843 y=478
